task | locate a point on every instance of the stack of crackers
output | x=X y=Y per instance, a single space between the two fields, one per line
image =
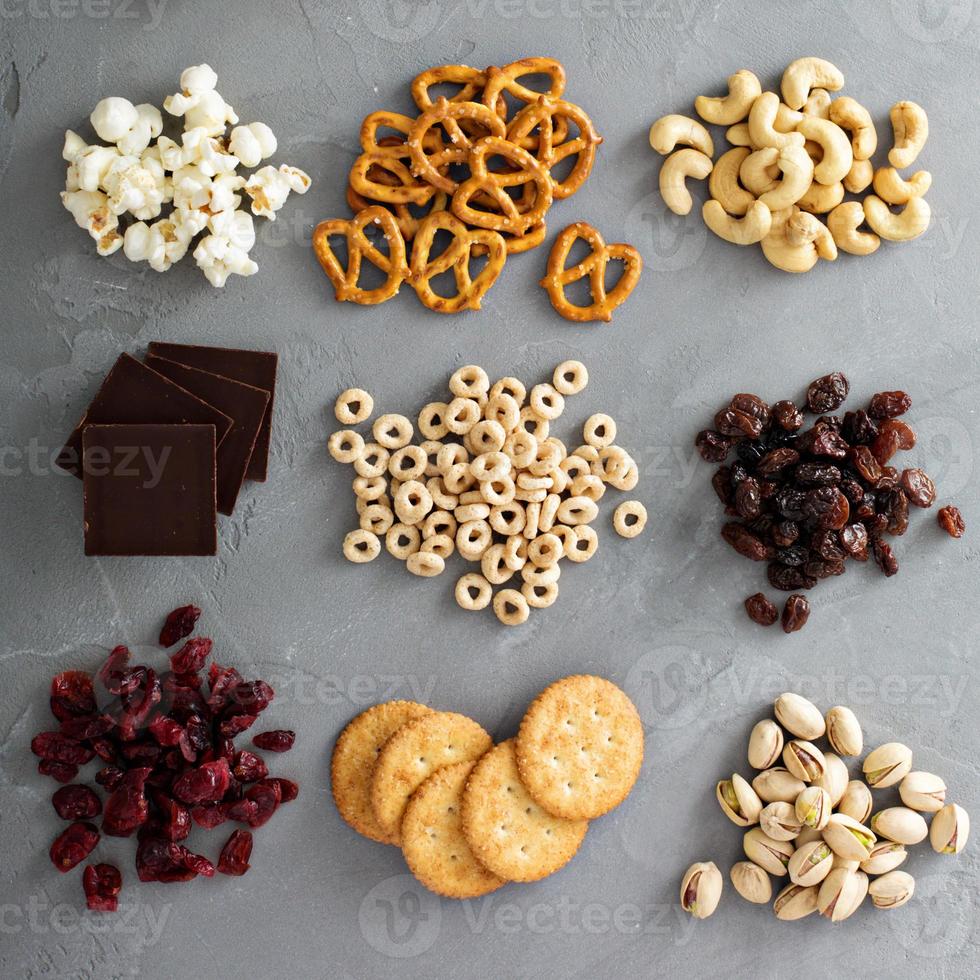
x=469 y=815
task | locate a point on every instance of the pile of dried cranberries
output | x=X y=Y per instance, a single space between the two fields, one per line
x=807 y=500
x=167 y=744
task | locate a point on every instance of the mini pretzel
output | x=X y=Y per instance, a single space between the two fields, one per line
x=471 y=82
x=391 y=145
x=358 y=247
x=457 y=255
x=400 y=188
x=501 y=80
x=593 y=266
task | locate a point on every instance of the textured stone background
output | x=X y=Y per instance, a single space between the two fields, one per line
x=660 y=615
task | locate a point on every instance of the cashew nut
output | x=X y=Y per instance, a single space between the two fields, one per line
x=797 y=170
x=818 y=104
x=762 y=117
x=787 y=119
x=738 y=135
x=781 y=252
x=759 y=172
x=821 y=198
x=849 y=114
x=739 y=231
x=813 y=150
x=743 y=90
x=844 y=222
x=901 y=226
x=676 y=169
x=723 y=183
x=859 y=177
x=911 y=126
x=667 y=132
x=805 y=74
x=837 y=156
x=890 y=186
x=803 y=228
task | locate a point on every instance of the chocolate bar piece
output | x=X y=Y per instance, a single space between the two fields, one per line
x=149 y=489
x=132 y=394
x=251 y=367
x=244 y=404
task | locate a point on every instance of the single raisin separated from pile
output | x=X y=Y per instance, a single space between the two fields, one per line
x=951 y=521
x=761 y=610
x=795 y=613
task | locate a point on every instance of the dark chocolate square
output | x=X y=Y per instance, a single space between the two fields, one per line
x=251 y=367
x=244 y=404
x=133 y=394
x=149 y=489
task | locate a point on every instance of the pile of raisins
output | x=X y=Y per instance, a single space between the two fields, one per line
x=808 y=500
x=169 y=761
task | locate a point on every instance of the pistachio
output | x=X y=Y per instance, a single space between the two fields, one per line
x=835 y=777
x=701 y=889
x=885 y=856
x=949 y=829
x=813 y=807
x=856 y=801
x=923 y=791
x=765 y=744
x=841 y=892
x=806 y=835
x=844 y=731
x=751 y=882
x=795 y=902
x=811 y=863
x=900 y=824
x=778 y=785
x=848 y=838
x=778 y=821
x=845 y=863
x=738 y=801
x=799 y=716
x=892 y=890
x=887 y=765
x=804 y=760
x=771 y=855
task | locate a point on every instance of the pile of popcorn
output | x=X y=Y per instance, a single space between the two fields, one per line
x=142 y=170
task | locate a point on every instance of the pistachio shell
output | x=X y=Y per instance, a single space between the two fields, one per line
x=846 y=863
x=844 y=731
x=885 y=856
x=892 y=890
x=811 y=863
x=923 y=791
x=804 y=760
x=887 y=765
x=778 y=785
x=813 y=807
x=799 y=716
x=835 y=777
x=765 y=744
x=751 y=882
x=701 y=889
x=778 y=821
x=949 y=830
x=841 y=892
x=795 y=902
x=807 y=835
x=771 y=855
x=856 y=801
x=738 y=801
x=848 y=838
x=900 y=824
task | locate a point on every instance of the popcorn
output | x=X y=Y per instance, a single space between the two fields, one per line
x=90 y=209
x=225 y=251
x=199 y=103
x=252 y=143
x=113 y=118
x=165 y=241
x=269 y=188
x=134 y=188
x=89 y=164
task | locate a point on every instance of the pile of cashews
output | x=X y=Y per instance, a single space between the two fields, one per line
x=792 y=160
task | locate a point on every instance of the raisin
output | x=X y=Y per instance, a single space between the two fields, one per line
x=178 y=624
x=787 y=416
x=235 y=854
x=795 y=613
x=713 y=446
x=889 y=404
x=76 y=802
x=190 y=658
x=867 y=466
x=827 y=545
x=818 y=474
x=745 y=542
x=853 y=490
x=794 y=556
x=828 y=442
x=790 y=503
x=834 y=422
x=895 y=506
x=885 y=557
x=749 y=452
x=920 y=490
x=859 y=429
x=73 y=846
x=854 y=540
x=733 y=423
x=760 y=610
x=785 y=533
x=777 y=461
x=890 y=478
x=722 y=484
x=102 y=884
x=753 y=406
x=63 y=772
x=788 y=579
x=951 y=521
x=748 y=498
x=828 y=507
x=893 y=434
x=60 y=748
x=827 y=394
x=819 y=569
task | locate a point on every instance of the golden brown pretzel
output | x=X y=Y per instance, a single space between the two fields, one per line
x=593 y=266
x=391 y=145
x=401 y=188
x=501 y=80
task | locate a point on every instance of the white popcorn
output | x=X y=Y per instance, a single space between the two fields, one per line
x=88 y=164
x=113 y=118
x=134 y=187
x=192 y=189
x=199 y=103
x=165 y=241
x=252 y=143
x=223 y=196
x=225 y=251
x=148 y=126
x=90 y=209
x=269 y=188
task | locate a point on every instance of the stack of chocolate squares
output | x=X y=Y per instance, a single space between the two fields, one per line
x=167 y=444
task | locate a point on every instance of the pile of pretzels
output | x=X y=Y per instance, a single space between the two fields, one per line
x=508 y=138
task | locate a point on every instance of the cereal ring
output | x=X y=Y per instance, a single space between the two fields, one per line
x=373 y=460
x=515 y=552
x=450 y=454
x=504 y=411
x=533 y=575
x=487 y=436
x=547 y=458
x=589 y=486
x=469 y=381
x=511 y=387
x=546 y=402
x=521 y=447
x=559 y=481
x=511 y=607
x=431 y=449
x=585 y=545
x=613 y=464
x=575 y=466
x=628 y=480
x=402 y=541
x=493 y=565
x=458 y=478
x=533 y=424
x=438 y=544
x=472 y=512
x=441 y=497
x=566 y=535
x=532 y=516
x=498 y=492
x=432 y=420
x=346 y=445
x=490 y=466
x=412 y=502
x=570 y=377
x=540 y=596
x=370 y=487
x=599 y=430
x=392 y=431
x=545 y=550
x=377 y=518
x=461 y=415
x=577 y=510
x=361 y=546
x=589 y=453
x=408 y=463
x=473 y=592
x=361 y=504
x=426 y=564
x=630 y=518
x=471 y=497
x=438 y=523
x=473 y=538
x=527 y=481
x=353 y=406
x=507 y=518
x=549 y=509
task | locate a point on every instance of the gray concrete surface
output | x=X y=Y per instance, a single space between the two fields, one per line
x=660 y=615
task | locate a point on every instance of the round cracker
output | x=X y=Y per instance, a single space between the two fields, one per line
x=509 y=833
x=413 y=753
x=580 y=747
x=354 y=757
x=433 y=841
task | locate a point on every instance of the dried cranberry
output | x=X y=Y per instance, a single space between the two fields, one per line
x=761 y=610
x=197 y=863
x=160 y=860
x=73 y=846
x=76 y=802
x=745 y=542
x=166 y=731
x=205 y=784
x=178 y=624
x=104 y=749
x=127 y=807
x=109 y=777
x=63 y=772
x=145 y=753
x=235 y=854
x=190 y=658
x=787 y=416
x=87 y=728
x=920 y=490
x=221 y=681
x=102 y=884
x=713 y=446
x=951 y=521
x=60 y=748
x=236 y=724
x=209 y=815
x=889 y=404
x=267 y=797
x=827 y=394
x=288 y=790
x=113 y=671
x=249 y=768
x=242 y=811
x=795 y=613
x=885 y=557
x=279 y=740
x=854 y=540
x=72 y=695
x=175 y=820
x=252 y=696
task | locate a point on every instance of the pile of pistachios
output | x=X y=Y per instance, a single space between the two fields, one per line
x=813 y=819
